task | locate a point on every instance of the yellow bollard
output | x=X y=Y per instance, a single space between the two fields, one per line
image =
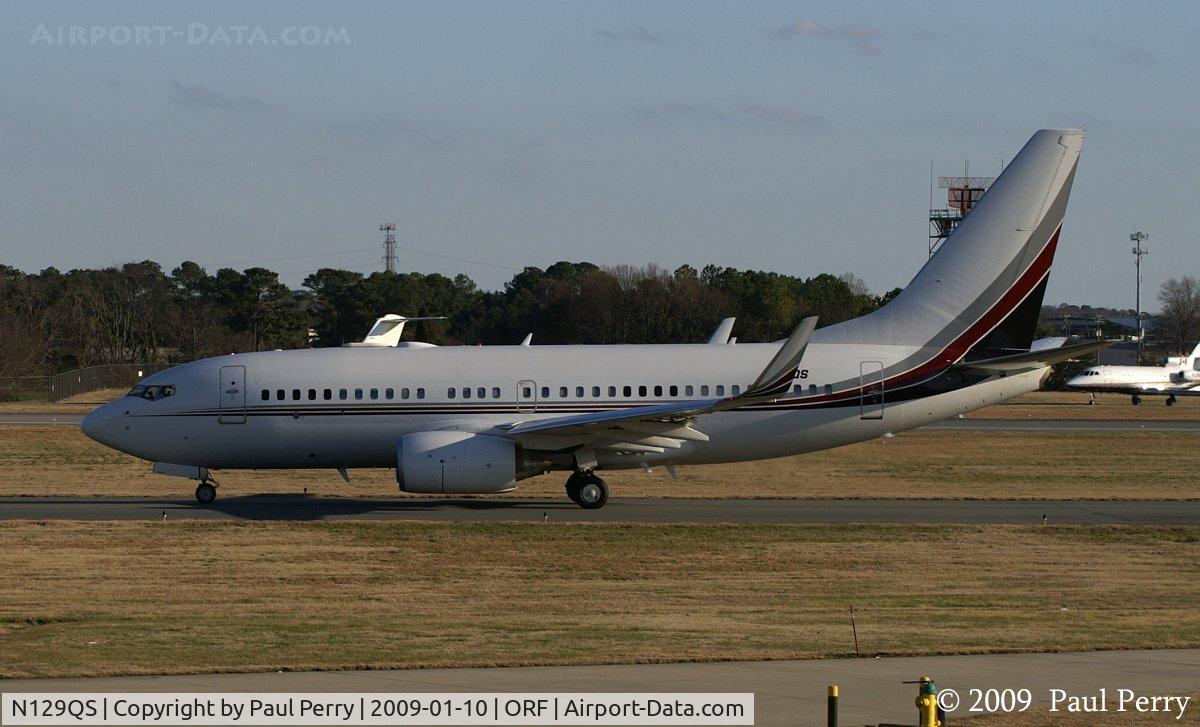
x=927 y=707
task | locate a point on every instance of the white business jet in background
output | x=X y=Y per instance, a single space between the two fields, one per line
x=1180 y=377
x=478 y=419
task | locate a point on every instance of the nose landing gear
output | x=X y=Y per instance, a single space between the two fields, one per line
x=1171 y=400
x=587 y=490
x=1136 y=400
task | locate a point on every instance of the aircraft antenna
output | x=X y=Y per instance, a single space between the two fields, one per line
x=389 y=245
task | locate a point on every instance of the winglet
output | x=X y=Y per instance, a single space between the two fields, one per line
x=777 y=376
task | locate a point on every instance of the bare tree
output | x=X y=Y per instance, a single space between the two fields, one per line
x=857 y=285
x=1179 y=321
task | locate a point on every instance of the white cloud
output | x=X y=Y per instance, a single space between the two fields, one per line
x=861 y=37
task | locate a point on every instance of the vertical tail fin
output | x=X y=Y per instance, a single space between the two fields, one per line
x=980 y=294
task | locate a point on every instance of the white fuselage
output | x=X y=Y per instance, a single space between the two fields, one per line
x=1178 y=380
x=285 y=409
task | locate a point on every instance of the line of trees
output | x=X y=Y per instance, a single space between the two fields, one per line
x=52 y=321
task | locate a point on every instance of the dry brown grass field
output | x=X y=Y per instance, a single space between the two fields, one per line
x=78 y=404
x=60 y=461
x=1074 y=405
x=91 y=598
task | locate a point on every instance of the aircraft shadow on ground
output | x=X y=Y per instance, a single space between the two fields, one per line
x=258 y=507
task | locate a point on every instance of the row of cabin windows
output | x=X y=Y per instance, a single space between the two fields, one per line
x=344 y=394
x=798 y=390
x=482 y=392
x=564 y=392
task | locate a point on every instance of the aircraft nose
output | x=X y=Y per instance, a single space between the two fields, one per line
x=100 y=426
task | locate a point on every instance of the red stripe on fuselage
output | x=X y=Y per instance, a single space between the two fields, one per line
x=958 y=348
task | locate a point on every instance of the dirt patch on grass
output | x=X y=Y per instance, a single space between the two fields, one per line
x=61 y=461
x=121 y=598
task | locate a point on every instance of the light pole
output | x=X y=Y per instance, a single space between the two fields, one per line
x=1137 y=238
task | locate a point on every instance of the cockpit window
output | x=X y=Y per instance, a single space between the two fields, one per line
x=152 y=392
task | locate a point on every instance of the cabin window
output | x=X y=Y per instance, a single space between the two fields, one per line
x=420 y=393
x=327 y=394
x=358 y=394
x=578 y=392
x=562 y=392
x=404 y=393
x=481 y=393
x=342 y=394
x=797 y=390
x=642 y=391
x=526 y=392
x=828 y=389
x=658 y=391
x=466 y=392
x=374 y=393
x=545 y=392
x=595 y=392
x=279 y=394
x=495 y=392
x=312 y=394
x=627 y=391
x=674 y=390
x=720 y=389
x=295 y=395
x=812 y=389
x=389 y=393
x=689 y=390
x=704 y=390
x=612 y=391
x=266 y=394
x=451 y=392
x=736 y=389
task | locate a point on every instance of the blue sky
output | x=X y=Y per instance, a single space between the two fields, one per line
x=787 y=136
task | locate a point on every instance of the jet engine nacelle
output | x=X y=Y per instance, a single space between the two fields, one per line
x=451 y=462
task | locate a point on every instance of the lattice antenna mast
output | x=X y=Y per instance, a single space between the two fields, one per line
x=1139 y=252
x=389 y=245
x=962 y=194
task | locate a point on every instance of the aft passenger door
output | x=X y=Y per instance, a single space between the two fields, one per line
x=233 y=395
x=870 y=382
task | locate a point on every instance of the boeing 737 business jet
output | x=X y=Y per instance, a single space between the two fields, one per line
x=478 y=419
x=1180 y=377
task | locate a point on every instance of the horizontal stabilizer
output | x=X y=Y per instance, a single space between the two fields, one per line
x=1029 y=360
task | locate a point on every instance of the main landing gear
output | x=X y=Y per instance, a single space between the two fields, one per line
x=587 y=490
x=206 y=492
x=1170 y=400
x=1136 y=400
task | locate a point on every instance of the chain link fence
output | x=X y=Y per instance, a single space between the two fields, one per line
x=95 y=378
x=24 y=388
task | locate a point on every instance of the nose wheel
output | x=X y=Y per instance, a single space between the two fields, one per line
x=587 y=490
x=1171 y=400
x=205 y=493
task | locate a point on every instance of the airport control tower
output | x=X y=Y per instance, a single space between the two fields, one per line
x=962 y=193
